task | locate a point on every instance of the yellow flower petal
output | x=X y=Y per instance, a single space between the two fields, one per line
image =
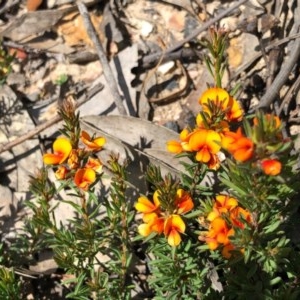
x=144 y=205
x=100 y=141
x=198 y=139
x=174 y=147
x=94 y=163
x=183 y=201
x=213 y=141
x=84 y=178
x=225 y=201
x=209 y=139
x=144 y=229
x=216 y=95
x=271 y=167
x=150 y=217
x=212 y=244
x=61 y=148
x=174 y=222
x=184 y=135
x=235 y=113
x=156 y=198
x=52 y=159
x=203 y=155
x=212 y=215
x=95 y=144
x=174 y=238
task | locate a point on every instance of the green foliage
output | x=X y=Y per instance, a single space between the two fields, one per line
x=176 y=272
x=9 y=285
x=5 y=63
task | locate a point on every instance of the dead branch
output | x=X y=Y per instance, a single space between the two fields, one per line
x=282 y=76
x=108 y=74
x=19 y=140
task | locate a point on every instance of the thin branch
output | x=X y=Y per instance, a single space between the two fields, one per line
x=257 y=56
x=273 y=91
x=19 y=140
x=290 y=94
x=108 y=74
x=281 y=78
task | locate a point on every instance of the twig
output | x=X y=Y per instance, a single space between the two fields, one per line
x=291 y=92
x=184 y=54
x=257 y=56
x=287 y=67
x=49 y=123
x=8 y=6
x=108 y=74
x=281 y=78
x=156 y=56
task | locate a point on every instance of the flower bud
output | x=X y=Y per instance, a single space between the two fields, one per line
x=271 y=167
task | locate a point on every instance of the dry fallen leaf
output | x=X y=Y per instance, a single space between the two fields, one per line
x=74 y=31
x=235 y=53
x=177 y=21
x=33 y=5
x=32 y=23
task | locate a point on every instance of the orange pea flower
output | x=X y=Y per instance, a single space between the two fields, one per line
x=206 y=143
x=73 y=160
x=144 y=205
x=61 y=150
x=226 y=251
x=214 y=162
x=161 y=220
x=183 y=202
x=61 y=172
x=200 y=120
x=222 y=205
x=94 y=163
x=174 y=147
x=218 y=233
x=229 y=138
x=237 y=215
x=153 y=223
x=217 y=95
x=271 y=167
x=173 y=226
x=94 y=144
x=239 y=146
x=235 y=113
x=84 y=178
x=222 y=99
x=243 y=150
x=180 y=146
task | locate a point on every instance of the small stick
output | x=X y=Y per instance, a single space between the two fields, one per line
x=281 y=78
x=108 y=74
x=291 y=92
x=43 y=126
x=287 y=67
x=257 y=56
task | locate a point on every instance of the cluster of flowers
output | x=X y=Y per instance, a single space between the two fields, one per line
x=76 y=163
x=213 y=134
x=219 y=109
x=165 y=219
x=258 y=145
x=225 y=216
